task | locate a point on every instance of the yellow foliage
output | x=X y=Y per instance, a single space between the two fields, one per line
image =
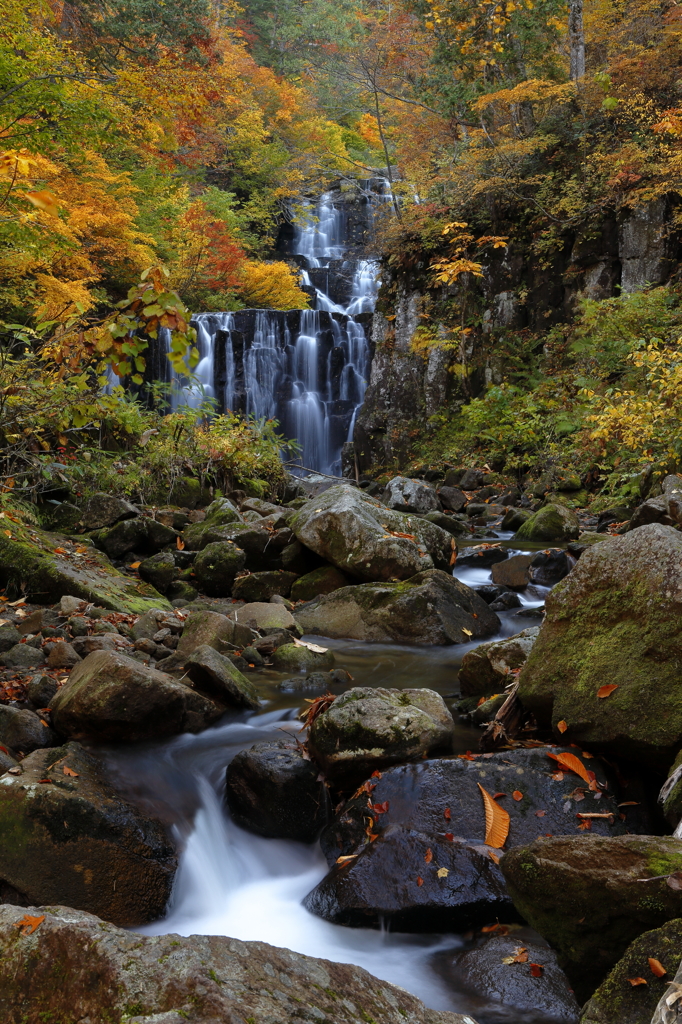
x=271 y=286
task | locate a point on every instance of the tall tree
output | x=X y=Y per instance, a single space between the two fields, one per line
x=576 y=38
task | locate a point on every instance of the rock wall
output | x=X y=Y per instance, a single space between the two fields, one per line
x=519 y=292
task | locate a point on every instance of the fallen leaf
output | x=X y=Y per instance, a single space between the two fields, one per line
x=572 y=764
x=179 y=543
x=557 y=776
x=585 y=826
x=442 y=873
x=375 y=775
x=493 y=856
x=562 y=726
x=420 y=881
x=517 y=794
x=60 y=551
x=346 y=859
x=606 y=691
x=428 y=856
x=135 y=565
x=380 y=808
x=446 y=814
x=467 y=631
x=657 y=967
x=29 y=924
x=520 y=956
x=498 y=796
x=496 y=821
x=637 y=981
x=449 y=837
x=629 y=803
x=537 y=970
x=70 y=772
x=43 y=722
x=540 y=814
x=315 y=648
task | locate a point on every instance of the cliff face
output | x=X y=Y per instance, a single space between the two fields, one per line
x=519 y=292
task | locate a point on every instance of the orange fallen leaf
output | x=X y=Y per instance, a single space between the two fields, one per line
x=60 y=551
x=562 y=726
x=501 y=928
x=420 y=880
x=428 y=856
x=493 y=856
x=540 y=814
x=374 y=775
x=519 y=956
x=446 y=814
x=657 y=967
x=70 y=771
x=380 y=808
x=537 y=970
x=449 y=837
x=346 y=859
x=558 y=776
x=637 y=981
x=135 y=565
x=29 y=924
x=606 y=691
x=180 y=544
x=517 y=794
x=585 y=826
x=496 y=821
x=572 y=764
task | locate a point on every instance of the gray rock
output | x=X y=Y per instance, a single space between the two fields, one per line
x=84 y=645
x=22 y=656
x=452 y=498
x=515 y=518
x=221 y=512
x=160 y=570
x=259 y=615
x=482 y=556
x=405 y=495
x=105 y=510
x=454 y=525
x=215 y=675
x=471 y=479
x=367 y=729
x=9 y=637
x=274 y=791
x=69 y=605
x=40 y=690
x=654 y=510
x=261 y=586
x=216 y=567
x=71 y=837
x=294 y=658
x=23 y=730
x=169 y=978
x=110 y=697
x=37 y=620
x=486 y=669
x=431 y=608
x=552 y=523
x=368 y=541
x=514 y=572
x=62 y=655
x=324 y=580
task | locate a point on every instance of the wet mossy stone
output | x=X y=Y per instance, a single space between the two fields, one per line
x=22 y=656
x=295 y=658
x=159 y=570
x=431 y=608
x=616 y=618
x=324 y=580
x=363 y=538
x=261 y=586
x=616 y=1001
x=66 y=840
x=216 y=567
x=452 y=524
x=214 y=674
x=553 y=522
x=367 y=729
x=221 y=512
x=515 y=518
x=486 y=668
x=33 y=559
x=142 y=535
x=584 y=895
x=63 y=517
x=106 y=509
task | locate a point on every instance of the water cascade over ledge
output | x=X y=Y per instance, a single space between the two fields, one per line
x=306 y=368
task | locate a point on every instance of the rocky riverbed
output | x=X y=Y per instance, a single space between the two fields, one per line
x=487 y=765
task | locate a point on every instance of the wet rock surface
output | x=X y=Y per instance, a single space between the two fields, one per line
x=486 y=669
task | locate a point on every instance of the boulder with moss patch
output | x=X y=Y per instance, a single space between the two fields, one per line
x=430 y=608
x=585 y=895
x=486 y=668
x=615 y=619
x=552 y=522
x=324 y=580
x=299 y=658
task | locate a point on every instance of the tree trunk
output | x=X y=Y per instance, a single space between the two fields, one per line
x=576 y=38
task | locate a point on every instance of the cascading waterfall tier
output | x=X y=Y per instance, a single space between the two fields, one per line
x=306 y=368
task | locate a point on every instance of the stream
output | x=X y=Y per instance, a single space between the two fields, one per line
x=231 y=882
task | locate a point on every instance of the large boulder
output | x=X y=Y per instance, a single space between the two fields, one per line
x=105 y=973
x=142 y=535
x=615 y=619
x=586 y=895
x=617 y=1001
x=160 y=570
x=48 y=566
x=106 y=509
x=452 y=498
x=367 y=729
x=324 y=580
x=216 y=567
x=221 y=512
x=430 y=608
x=67 y=836
x=112 y=698
x=406 y=495
x=215 y=675
x=551 y=523
x=363 y=538
x=263 y=615
x=486 y=669
x=274 y=791
x=488 y=971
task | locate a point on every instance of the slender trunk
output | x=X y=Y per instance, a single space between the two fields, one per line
x=389 y=171
x=576 y=39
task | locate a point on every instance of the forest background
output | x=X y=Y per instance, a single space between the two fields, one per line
x=150 y=152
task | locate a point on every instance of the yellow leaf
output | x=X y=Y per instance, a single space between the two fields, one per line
x=496 y=821
x=442 y=872
x=43 y=200
x=467 y=631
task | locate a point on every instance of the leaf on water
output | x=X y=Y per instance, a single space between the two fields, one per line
x=606 y=691
x=572 y=764
x=657 y=967
x=70 y=772
x=562 y=726
x=537 y=970
x=420 y=881
x=496 y=821
x=446 y=814
x=517 y=794
x=428 y=856
x=442 y=872
x=674 y=881
x=637 y=981
x=29 y=924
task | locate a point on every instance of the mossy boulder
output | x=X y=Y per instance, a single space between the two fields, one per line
x=297 y=658
x=486 y=668
x=616 y=1001
x=49 y=566
x=584 y=894
x=616 y=618
x=552 y=522
x=367 y=729
x=363 y=538
x=515 y=518
x=215 y=675
x=324 y=580
x=160 y=570
x=66 y=836
x=261 y=586
x=143 y=535
x=431 y=608
x=221 y=512
x=216 y=568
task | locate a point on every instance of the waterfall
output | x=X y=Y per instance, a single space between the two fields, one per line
x=306 y=368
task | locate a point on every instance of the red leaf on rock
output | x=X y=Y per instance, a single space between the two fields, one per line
x=428 y=856
x=657 y=967
x=29 y=924
x=606 y=691
x=637 y=981
x=517 y=794
x=420 y=880
x=537 y=970
x=446 y=814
